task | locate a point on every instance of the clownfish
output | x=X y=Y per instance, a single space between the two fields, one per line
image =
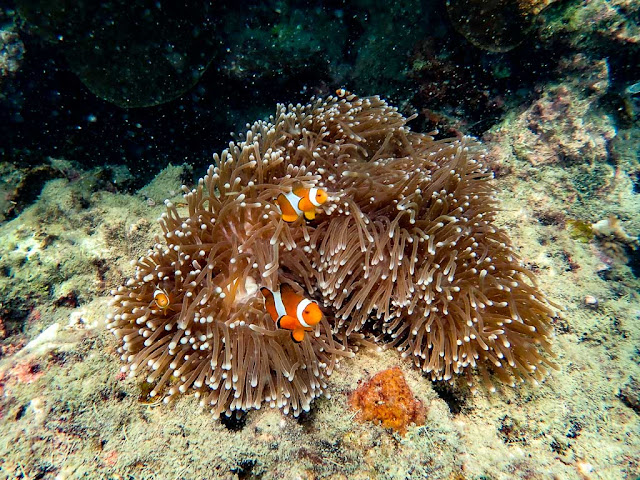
x=301 y=201
x=291 y=311
x=162 y=300
x=342 y=93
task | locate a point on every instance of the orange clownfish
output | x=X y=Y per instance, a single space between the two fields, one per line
x=291 y=311
x=162 y=300
x=301 y=201
x=342 y=93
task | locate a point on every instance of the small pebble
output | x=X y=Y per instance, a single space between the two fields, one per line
x=591 y=301
x=584 y=467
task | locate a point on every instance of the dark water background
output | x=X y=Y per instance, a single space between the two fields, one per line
x=142 y=84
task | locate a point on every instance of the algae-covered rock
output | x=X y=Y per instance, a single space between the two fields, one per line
x=495 y=25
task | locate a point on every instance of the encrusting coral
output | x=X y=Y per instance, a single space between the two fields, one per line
x=404 y=251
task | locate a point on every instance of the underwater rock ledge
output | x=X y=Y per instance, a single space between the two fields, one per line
x=403 y=253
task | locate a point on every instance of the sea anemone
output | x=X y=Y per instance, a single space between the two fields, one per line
x=404 y=252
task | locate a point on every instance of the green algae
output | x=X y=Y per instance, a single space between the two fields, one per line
x=580 y=231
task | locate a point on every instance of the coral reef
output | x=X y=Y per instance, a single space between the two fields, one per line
x=610 y=228
x=596 y=26
x=386 y=399
x=567 y=133
x=495 y=25
x=565 y=124
x=82 y=417
x=443 y=94
x=11 y=50
x=405 y=248
x=615 y=245
x=569 y=201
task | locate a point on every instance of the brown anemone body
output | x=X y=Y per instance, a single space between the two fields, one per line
x=405 y=249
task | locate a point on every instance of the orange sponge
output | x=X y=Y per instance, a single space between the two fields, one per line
x=387 y=400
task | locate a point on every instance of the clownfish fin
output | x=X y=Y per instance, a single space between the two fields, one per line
x=310 y=214
x=305 y=205
x=288 y=322
x=297 y=335
x=265 y=291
